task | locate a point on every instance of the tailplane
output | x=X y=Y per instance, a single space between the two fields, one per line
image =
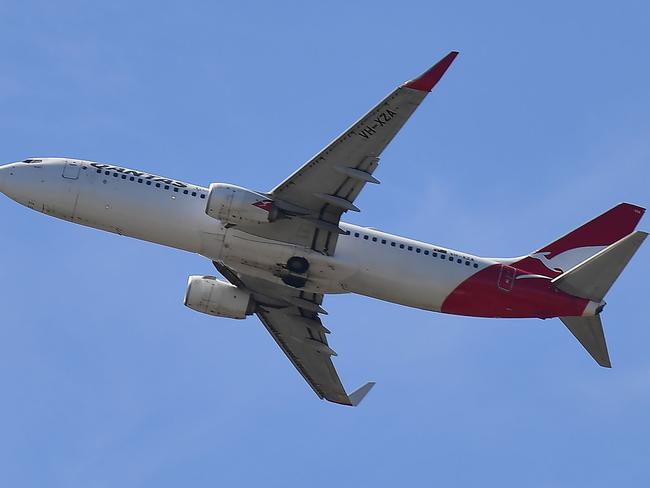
x=589 y=332
x=592 y=279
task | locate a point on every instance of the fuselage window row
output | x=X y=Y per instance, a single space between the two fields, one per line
x=148 y=182
x=434 y=254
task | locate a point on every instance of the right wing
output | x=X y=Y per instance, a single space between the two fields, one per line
x=292 y=318
x=317 y=194
x=328 y=183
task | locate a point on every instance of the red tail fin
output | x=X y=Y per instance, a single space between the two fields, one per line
x=584 y=242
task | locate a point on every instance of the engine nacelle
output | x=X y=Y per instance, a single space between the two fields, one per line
x=206 y=294
x=236 y=205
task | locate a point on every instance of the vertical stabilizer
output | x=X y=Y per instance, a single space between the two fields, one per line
x=563 y=254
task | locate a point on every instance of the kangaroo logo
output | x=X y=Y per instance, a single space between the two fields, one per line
x=566 y=260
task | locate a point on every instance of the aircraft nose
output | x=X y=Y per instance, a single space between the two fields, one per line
x=6 y=172
x=3 y=177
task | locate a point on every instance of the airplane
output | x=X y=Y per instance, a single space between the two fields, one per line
x=282 y=251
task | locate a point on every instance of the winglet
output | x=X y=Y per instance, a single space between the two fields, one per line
x=359 y=394
x=427 y=80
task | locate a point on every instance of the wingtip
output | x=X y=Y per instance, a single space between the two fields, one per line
x=427 y=80
x=359 y=394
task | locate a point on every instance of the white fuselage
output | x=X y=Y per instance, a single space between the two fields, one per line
x=172 y=213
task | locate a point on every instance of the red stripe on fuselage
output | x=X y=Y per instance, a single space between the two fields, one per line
x=481 y=296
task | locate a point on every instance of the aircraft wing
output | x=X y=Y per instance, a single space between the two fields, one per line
x=292 y=318
x=314 y=197
x=328 y=184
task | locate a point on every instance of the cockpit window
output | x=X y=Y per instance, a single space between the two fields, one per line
x=30 y=161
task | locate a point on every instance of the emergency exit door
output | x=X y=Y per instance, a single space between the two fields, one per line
x=506 y=277
x=71 y=171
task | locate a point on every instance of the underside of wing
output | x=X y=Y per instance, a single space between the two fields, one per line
x=330 y=181
x=327 y=185
x=292 y=318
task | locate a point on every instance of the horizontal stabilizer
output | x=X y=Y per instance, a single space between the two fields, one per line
x=593 y=277
x=589 y=332
x=359 y=394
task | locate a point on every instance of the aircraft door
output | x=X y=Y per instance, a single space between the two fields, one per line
x=506 y=277
x=62 y=202
x=71 y=171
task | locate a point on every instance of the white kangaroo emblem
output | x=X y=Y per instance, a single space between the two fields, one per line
x=567 y=259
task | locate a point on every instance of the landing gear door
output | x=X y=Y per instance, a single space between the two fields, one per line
x=506 y=277
x=71 y=171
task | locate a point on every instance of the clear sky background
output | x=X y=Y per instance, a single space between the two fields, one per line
x=541 y=123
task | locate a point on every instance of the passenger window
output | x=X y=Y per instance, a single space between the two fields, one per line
x=459 y=261
x=392 y=244
x=124 y=177
x=193 y=193
x=114 y=175
x=203 y=196
x=107 y=173
x=176 y=189
x=401 y=246
x=365 y=237
x=410 y=248
x=148 y=182
x=374 y=239
x=166 y=187
x=383 y=241
x=132 y=178
x=99 y=170
x=451 y=258
x=426 y=253
x=139 y=180
x=475 y=265
x=418 y=250
x=356 y=234
x=185 y=192
x=466 y=263
x=434 y=254
x=157 y=185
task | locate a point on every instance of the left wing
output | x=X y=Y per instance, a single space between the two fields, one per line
x=292 y=318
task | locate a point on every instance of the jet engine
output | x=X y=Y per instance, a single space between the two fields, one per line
x=236 y=205
x=206 y=294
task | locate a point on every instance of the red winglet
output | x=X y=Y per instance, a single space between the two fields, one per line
x=427 y=80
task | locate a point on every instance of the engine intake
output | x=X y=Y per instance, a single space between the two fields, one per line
x=211 y=296
x=236 y=205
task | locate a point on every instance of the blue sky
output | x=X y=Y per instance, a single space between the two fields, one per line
x=540 y=124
